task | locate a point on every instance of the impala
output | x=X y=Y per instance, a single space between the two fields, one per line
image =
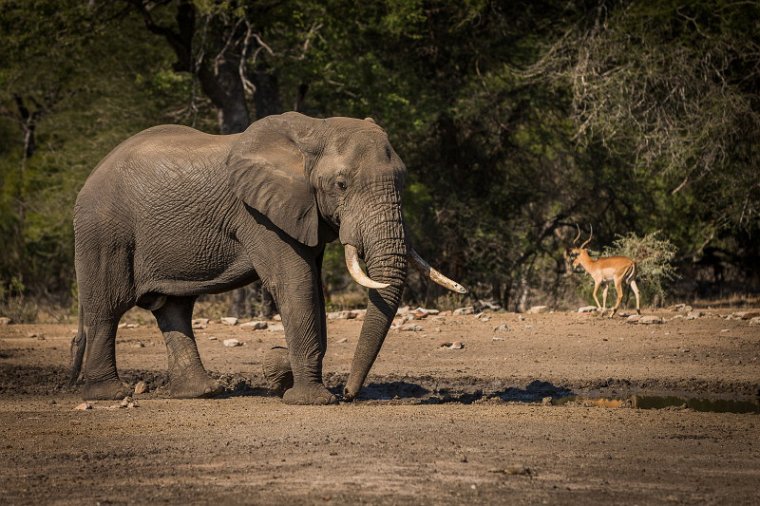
x=606 y=269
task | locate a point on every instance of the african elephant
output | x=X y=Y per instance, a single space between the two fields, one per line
x=172 y=213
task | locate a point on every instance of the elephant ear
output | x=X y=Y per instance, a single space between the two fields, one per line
x=267 y=169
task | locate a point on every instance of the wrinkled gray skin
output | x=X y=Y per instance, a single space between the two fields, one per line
x=173 y=213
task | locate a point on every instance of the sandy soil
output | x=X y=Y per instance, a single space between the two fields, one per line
x=433 y=425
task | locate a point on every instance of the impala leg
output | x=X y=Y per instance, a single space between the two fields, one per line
x=618 y=294
x=604 y=297
x=596 y=299
x=636 y=293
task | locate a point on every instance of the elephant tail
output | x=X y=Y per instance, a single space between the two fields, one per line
x=78 y=345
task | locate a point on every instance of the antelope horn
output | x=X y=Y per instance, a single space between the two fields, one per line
x=575 y=241
x=352 y=264
x=589 y=237
x=433 y=274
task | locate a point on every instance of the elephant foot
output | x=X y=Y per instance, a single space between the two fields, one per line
x=311 y=393
x=277 y=370
x=194 y=387
x=112 y=389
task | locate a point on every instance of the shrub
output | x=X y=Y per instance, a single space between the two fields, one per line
x=653 y=256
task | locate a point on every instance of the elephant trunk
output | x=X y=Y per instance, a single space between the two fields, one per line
x=385 y=254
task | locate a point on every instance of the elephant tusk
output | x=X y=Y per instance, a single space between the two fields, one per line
x=433 y=274
x=352 y=263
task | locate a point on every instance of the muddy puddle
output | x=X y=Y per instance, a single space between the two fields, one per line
x=663 y=402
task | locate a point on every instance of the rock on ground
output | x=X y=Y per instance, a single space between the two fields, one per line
x=538 y=309
x=231 y=343
x=587 y=309
x=141 y=387
x=256 y=325
x=650 y=319
x=229 y=320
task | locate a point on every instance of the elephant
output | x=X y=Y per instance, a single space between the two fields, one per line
x=173 y=213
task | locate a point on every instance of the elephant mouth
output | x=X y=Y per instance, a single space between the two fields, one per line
x=358 y=275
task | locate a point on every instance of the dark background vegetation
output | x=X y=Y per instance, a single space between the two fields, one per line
x=516 y=120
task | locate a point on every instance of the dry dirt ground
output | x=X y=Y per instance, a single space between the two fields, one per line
x=433 y=426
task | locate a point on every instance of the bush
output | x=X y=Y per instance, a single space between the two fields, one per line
x=14 y=305
x=653 y=257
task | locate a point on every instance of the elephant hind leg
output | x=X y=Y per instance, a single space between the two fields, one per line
x=101 y=381
x=187 y=377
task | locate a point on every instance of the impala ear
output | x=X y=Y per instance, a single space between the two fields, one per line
x=267 y=169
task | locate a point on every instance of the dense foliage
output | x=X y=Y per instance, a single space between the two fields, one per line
x=516 y=121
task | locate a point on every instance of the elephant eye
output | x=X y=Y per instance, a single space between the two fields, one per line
x=342 y=185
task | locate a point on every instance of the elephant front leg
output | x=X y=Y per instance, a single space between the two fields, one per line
x=188 y=378
x=301 y=310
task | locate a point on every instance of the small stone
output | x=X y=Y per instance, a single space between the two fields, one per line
x=231 y=343
x=514 y=469
x=753 y=322
x=587 y=309
x=495 y=338
x=402 y=310
x=212 y=338
x=229 y=320
x=82 y=407
x=501 y=328
x=634 y=318
x=200 y=323
x=444 y=313
x=276 y=327
x=121 y=325
x=464 y=311
x=125 y=402
x=138 y=344
x=255 y=325
x=456 y=345
x=546 y=401
x=486 y=304
x=342 y=315
x=421 y=313
x=518 y=469
x=538 y=309
x=693 y=315
x=410 y=327
x=341 y=341
x=483 y=317
x=131 y=325
x=141 y=387
x=650 y=319
x=277 y=318
x=4 y=320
